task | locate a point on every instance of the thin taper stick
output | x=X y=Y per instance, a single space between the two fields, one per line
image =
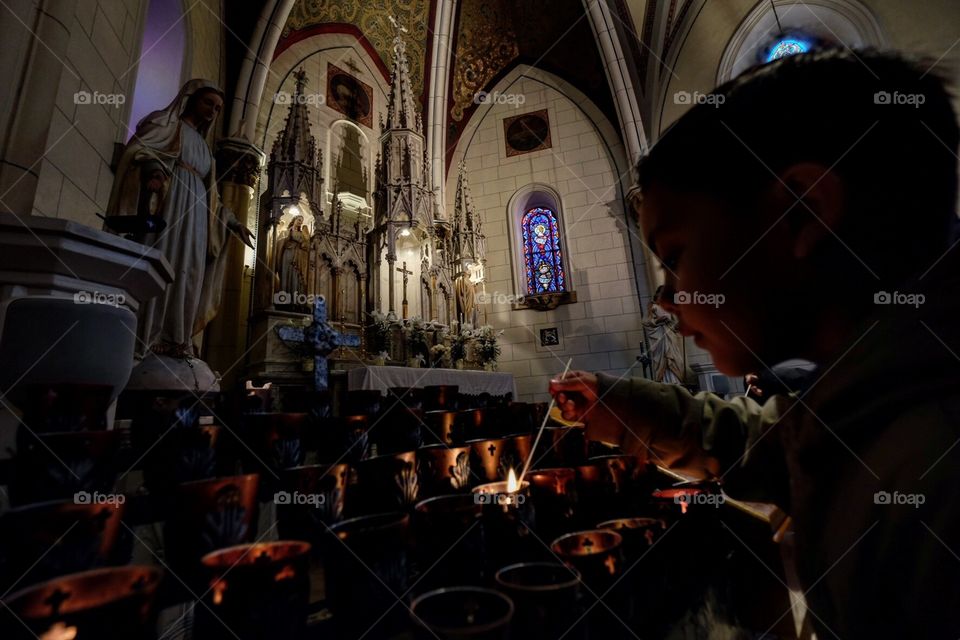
x=536 y=441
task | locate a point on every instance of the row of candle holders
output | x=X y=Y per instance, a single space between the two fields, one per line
x=447 y=549
x=416 y=526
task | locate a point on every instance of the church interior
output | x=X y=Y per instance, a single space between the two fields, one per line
x=285 y=283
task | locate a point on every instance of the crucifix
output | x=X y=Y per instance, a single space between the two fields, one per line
x=406 y=278
x=320 y=338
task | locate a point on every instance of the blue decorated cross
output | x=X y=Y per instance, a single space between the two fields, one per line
x=320 y=338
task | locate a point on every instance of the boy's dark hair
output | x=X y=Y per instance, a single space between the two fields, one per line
x=883 y=123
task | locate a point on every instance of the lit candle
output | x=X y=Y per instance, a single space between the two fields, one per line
x=60 y=631
x=510 y=493
x=512 y=485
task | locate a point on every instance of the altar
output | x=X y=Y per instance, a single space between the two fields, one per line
x=497 y=384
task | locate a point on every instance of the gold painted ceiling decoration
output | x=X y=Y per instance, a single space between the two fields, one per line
x=485 y=45
x=373 y=20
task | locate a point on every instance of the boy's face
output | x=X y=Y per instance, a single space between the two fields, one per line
x=727 y=281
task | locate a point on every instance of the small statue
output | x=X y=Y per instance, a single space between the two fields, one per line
x=293 y=255
x=168 y=170
x=466 y=298
x=666 y=343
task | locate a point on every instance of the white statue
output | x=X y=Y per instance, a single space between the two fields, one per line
x=666 y=343
x=167 y=169
x=293 y=254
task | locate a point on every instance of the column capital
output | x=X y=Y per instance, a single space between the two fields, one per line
x=239 y=161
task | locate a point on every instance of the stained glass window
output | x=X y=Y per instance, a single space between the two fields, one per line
x=787 y=47
x=542 y=256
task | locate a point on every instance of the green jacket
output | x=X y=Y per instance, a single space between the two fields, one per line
x=883 y=417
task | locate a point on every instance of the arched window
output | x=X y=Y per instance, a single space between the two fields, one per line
x=543 y=272
x=765 y=34
x=542 y=253
x=788 y=47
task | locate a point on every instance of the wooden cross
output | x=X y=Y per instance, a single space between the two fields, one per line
x=406 y=278
x=321 y=339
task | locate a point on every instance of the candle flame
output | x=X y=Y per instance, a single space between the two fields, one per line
x=512 y=484
x=60 y=631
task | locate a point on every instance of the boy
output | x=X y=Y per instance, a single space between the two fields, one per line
x=828 y=183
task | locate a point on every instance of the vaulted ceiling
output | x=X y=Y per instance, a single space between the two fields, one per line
x=490 y=37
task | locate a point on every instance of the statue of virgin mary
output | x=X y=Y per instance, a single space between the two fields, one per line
x=666 y=343
x=168 y=170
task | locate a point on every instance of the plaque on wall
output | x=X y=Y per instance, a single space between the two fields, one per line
x=350 y=96
x=527 y=133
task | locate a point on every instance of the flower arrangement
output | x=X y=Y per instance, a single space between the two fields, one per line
x=380 y=334
x=440 y=355
x=458 y=341
x=416 y=332
x=486 y=346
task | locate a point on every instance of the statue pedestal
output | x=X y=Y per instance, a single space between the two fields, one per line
x=271 y=360
x=163 y=373
x=68 y=298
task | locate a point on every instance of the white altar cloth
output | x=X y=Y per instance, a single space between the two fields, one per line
x=472 y=382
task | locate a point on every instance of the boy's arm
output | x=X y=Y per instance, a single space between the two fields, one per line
x=730 y=439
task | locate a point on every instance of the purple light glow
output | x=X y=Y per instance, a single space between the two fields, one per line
x=160 y=69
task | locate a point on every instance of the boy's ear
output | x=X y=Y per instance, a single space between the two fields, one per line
x=820 y=209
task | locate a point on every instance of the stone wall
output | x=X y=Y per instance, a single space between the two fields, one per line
x=585 y=167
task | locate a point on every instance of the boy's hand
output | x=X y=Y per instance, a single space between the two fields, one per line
x=577 y=397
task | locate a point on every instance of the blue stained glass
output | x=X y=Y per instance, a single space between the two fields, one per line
x=543 y=259
x=787 y=47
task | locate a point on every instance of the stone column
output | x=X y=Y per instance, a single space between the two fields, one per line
x=334 y=307
x=225 y=342
x=391 y=282
x=33 y=42
x=618 y=74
